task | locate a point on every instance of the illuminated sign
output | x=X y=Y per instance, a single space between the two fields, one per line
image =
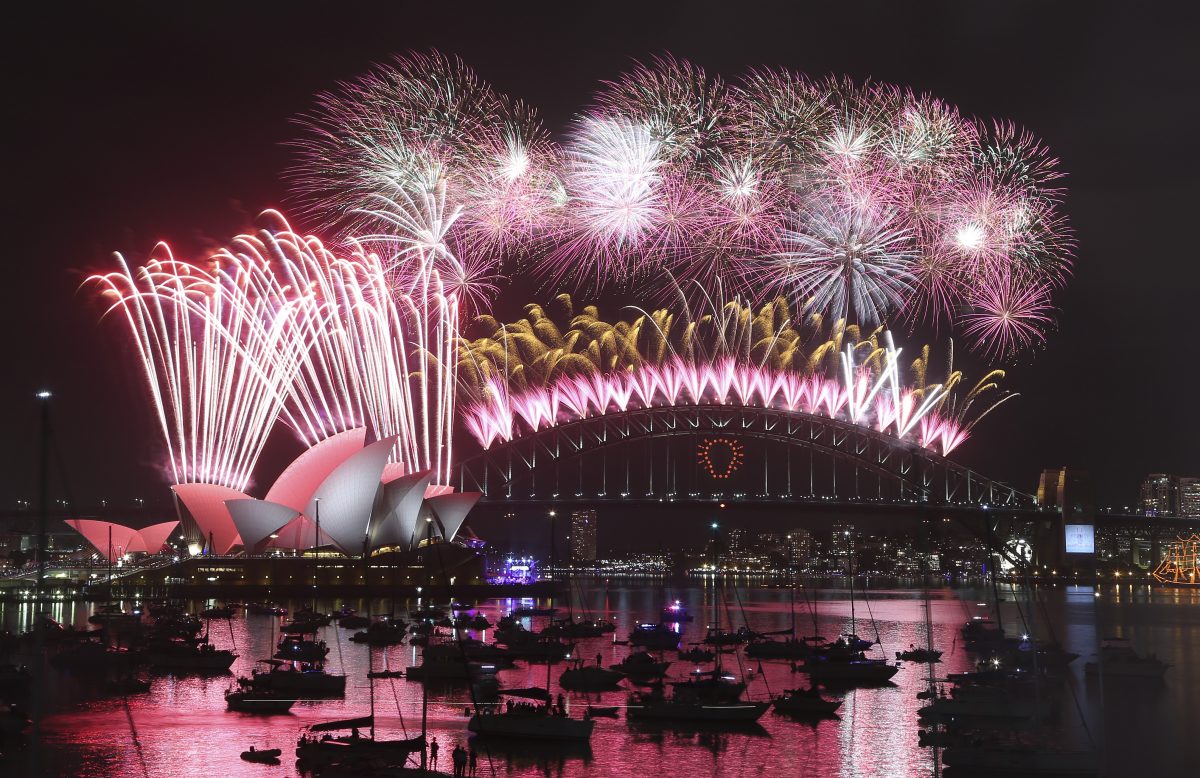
x=1081 y=539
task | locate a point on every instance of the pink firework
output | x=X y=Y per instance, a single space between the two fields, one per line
x=1007 y=315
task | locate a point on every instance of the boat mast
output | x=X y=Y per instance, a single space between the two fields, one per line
x=316 y=553
x=553 y=562
x=850 y=567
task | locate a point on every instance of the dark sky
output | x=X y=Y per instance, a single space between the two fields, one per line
x=134 y=122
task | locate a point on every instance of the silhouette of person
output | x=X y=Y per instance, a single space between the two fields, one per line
x=433 y=752
x=474 y=759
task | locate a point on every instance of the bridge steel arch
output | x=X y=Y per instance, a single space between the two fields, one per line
x=861 y=464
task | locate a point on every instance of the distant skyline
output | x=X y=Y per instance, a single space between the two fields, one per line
x=139 y=123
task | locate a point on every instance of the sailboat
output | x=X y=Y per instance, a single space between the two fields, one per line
x=533 y=721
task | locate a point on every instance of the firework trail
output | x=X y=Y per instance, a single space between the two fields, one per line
x=219 y=349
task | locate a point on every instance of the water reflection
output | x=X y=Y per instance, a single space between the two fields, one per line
x=181 y=727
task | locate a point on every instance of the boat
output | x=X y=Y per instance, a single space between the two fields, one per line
x=718 y=637
x=311 y=616
x=710 y=686
x=265 y=756
x=112 y=615
x=641 y=666
x=522 y=612
x=354 y=748
x=1117 y=658
x=479 y=621
x=386 y=674
x=217 y=612
x=685 y=705
x=92 y=654
x=299 y=678
x=1019 y=761
x=805 y=701
x=654 y=636
x=838 y=662
x=179 y=654
x=250 y=701
x=294 y=648
x=675 y=613
x=354 y=621
x=530 y=722
x=985 y=703
x=540 y=647
x=697 y=655
x=789 y=648
x=914 y=654
x=581 y=677
x=382 y=632
x=445 y=661
x=266 y=609
x=583 y=628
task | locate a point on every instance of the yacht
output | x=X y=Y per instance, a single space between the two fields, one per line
x=354 y=748
x=641 y=666
x=297 y=678
x=689 y=703
x=250 y=701
x=581 y=677
x=654 y=636
x=180 y=654
x=1117 y=658
x=531 y=721
x=805 y=701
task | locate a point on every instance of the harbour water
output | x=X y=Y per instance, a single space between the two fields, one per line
x=181 y=728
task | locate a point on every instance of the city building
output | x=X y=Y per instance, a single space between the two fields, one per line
x=1189 y=498
x=1160 y=495
x=841 y=543
x=799 y=547
x=582 y=540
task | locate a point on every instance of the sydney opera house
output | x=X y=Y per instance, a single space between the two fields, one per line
x=340 y=499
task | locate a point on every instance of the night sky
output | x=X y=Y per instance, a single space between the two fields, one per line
x=130 y=123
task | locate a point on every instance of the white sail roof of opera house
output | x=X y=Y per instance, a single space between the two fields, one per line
x=257 y=520
x=124 y=540
x=451 y=511
x=345 y=500
x=396 y=513
x=298 y=483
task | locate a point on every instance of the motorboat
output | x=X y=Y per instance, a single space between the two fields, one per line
x=985 y=703
x=641 y=666
x=112 y=615
x=1117 y=658
x=838 y=662
x=581 y=677
x=914 y=654
x=253 y=701
x=697 y=655
x=297 y=678
x=294 y=648
x=719 y=637
x=805 y=701
x=263 y=756
x=266 y=609
x=687 y=705
x=675 y=613
x=654 y=636
x=445 y=661
x=531 y=722
x=382 y=632
x=179 y=654
x=354 y=621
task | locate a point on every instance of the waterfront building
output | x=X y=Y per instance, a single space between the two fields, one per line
x=799 y=548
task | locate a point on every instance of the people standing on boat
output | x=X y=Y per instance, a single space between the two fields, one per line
x=433 y=752
x=473 y=757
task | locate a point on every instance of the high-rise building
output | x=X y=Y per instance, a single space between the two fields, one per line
x=1160 y=495
x=841 y=544
x=799 y=547
x=582 y=540
x=736 y=541
x=1189 y=498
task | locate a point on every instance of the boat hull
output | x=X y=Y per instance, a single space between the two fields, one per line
x=531 y=727
x=735 y=713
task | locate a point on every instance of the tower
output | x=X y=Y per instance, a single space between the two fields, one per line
x=582 y=540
